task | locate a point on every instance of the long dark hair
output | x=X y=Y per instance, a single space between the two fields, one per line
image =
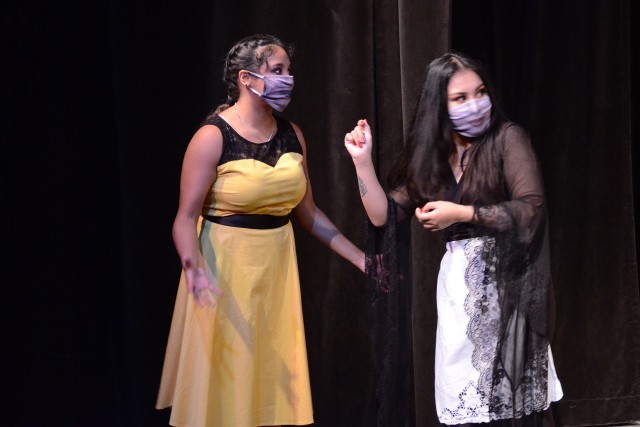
x=423 y=167
x=247 y=54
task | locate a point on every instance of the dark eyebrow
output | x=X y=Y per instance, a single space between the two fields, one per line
x=278 y=64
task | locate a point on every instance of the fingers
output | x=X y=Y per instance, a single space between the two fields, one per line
x=204 y=288
x=197 y=296
x=206 y=296
x=357 y=135
x=348 y=139
x=421 y=216
x=429 y=207
x=364 y=125
x=427 y=218
x=354 y=138
x=364 y=129
x=358 y=138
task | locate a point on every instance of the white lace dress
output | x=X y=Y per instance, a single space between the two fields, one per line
x=467 y=338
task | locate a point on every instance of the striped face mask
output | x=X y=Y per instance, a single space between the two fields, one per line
x=277 y=90
x=471 y=119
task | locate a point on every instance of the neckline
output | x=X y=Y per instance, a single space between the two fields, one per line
x=242 y=138
x=453 y=179
x=453 y=168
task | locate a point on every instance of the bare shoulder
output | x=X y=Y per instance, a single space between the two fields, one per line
x=205 y=145
x=208 y=133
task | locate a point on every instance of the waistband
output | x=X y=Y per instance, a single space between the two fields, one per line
x=257 y=222
x=463 y=231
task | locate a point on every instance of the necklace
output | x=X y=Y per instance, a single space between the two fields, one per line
x=258 y=135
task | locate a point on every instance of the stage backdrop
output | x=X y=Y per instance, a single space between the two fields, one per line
x=564 y=72
x=104 y=97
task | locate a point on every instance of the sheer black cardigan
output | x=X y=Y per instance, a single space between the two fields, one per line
x=518 y=262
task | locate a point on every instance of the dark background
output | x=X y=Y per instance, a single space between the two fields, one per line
x=101 y=98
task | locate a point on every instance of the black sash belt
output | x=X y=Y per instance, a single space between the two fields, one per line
x=259 y=222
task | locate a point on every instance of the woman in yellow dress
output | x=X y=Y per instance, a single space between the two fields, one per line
x=236 y=354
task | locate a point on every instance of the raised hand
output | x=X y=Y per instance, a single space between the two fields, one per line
x=359 y=141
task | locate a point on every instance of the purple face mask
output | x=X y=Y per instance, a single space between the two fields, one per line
x=277 y=90
x=472 y=118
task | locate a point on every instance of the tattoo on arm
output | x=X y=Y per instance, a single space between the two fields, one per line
x=362 y=187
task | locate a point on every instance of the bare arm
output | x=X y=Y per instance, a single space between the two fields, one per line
x=312 y=219
x=359 y=144
x=198 y=173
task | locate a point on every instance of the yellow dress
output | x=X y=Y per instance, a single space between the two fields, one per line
x=243 y=363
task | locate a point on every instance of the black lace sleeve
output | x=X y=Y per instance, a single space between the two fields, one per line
x=380 y=253
x=523 y=216
x=519 y=260
x=390 y=304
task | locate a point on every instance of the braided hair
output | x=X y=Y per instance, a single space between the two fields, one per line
x=247 y=54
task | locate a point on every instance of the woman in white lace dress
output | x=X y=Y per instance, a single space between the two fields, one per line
x=472 y=175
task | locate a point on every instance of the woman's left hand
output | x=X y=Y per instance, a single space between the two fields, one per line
x=439 y=215
x=202 y=285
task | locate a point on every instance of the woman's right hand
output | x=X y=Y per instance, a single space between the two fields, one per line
x=359 y=141
x=203 y=286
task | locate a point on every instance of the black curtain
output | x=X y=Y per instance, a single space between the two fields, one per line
x=102 y=98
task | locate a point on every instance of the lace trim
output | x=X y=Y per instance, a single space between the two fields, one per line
x=472 y=407
x=390 y=334
x=507 y=328
x=495 y=217
x=235 y=147
x=483 y=307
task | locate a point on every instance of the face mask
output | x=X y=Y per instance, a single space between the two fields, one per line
x=472 y=118
x=277 y=90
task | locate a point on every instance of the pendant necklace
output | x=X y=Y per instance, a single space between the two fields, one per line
x=258 y=137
